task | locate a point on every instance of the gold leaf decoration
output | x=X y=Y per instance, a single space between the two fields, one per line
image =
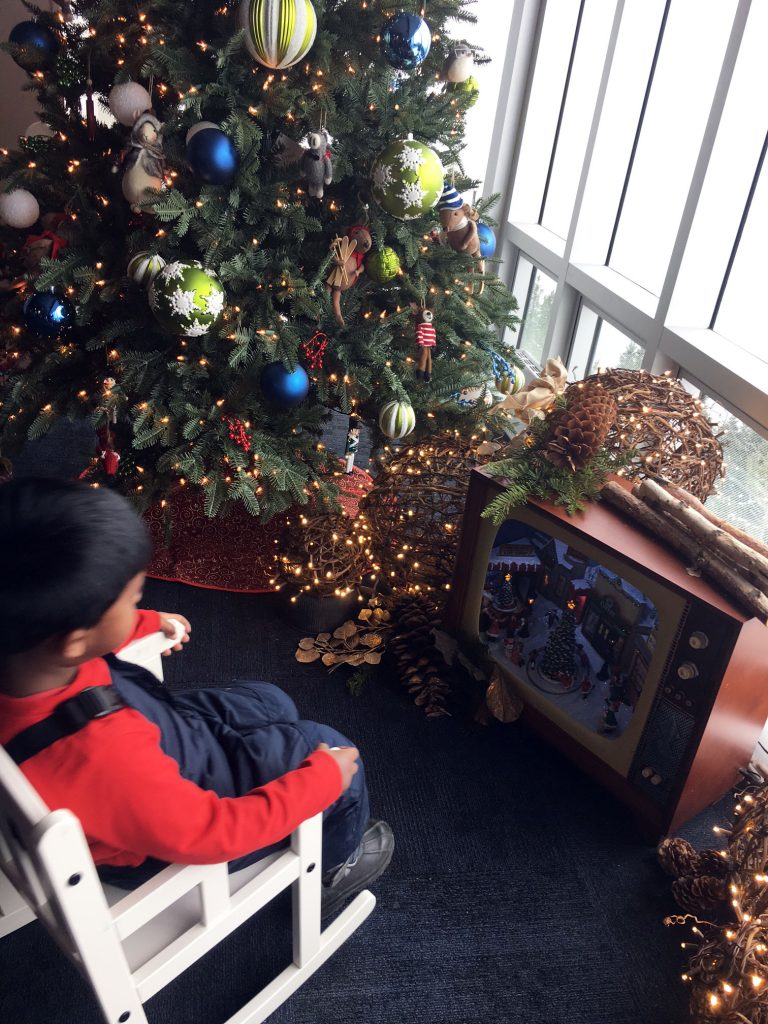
x=503 y=705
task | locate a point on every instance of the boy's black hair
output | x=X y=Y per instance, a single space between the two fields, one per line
x=67 y=551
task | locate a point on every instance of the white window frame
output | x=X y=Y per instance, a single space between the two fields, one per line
x=738 y=379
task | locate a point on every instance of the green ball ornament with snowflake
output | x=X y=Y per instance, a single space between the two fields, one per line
x=407 y=179
x=186 y=299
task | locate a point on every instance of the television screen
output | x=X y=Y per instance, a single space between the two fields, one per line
x=568 y=627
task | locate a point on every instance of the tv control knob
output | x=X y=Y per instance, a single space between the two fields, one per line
x=656 y=780
x=647 y=772
x=687 y=670
x=698 y=640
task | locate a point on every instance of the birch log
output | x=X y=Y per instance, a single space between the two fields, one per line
x=672 y=532
x=723 y=544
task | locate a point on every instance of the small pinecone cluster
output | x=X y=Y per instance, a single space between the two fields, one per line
x=578 y=432
x=700 y=884
x=421 y=666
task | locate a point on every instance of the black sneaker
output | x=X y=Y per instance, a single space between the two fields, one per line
x=369 y=861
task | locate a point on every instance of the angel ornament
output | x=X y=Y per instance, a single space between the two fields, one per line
x=426 y=339
x=142 y=161
x=348 y=254
x=313 y=156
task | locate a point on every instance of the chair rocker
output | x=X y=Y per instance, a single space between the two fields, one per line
x=130 y=945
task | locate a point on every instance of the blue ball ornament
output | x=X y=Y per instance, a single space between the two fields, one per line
x=487 y=240
x=48 y=314
x=212 y=156
x=39 y=45
x=405 y=41
x=282 y=386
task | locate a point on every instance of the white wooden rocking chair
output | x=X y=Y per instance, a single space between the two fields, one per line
x=129 y=946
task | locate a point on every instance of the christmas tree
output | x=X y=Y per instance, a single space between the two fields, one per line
x=559 y=654
x=505 y=593
x=210 y=303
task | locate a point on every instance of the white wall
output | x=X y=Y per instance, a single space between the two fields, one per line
x=18 y=108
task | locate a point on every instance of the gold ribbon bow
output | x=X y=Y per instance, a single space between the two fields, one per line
x=536 y=399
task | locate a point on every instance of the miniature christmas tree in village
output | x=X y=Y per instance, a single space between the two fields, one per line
x=268 y=250
x=505 y=593
x=559 y=656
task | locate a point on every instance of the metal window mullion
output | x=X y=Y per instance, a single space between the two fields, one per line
x=702 y=161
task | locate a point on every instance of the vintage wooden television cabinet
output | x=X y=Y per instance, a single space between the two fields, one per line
x=645 y=675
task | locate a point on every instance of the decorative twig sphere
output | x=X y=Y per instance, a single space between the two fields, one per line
x=667 y=428
x=322 y=555
x=415 y=509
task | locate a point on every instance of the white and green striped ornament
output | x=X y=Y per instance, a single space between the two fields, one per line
x=278 y=33
x=144 y=268
x=397 y=419
x=510 y=383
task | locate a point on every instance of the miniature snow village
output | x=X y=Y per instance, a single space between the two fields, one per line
x=567 y=626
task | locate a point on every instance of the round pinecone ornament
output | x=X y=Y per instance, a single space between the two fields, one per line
x=700 y=895
x=421 y=667
x=579 y=430
x=712 y=863
x=677 y=857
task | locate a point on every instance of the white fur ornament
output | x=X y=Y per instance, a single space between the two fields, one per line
x=128 y=101
x=397 y=419
x=18 y=208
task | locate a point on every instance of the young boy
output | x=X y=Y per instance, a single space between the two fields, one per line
x=154 y=777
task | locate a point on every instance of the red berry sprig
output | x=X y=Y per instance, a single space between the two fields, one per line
x=314 y=350
x=237 y=432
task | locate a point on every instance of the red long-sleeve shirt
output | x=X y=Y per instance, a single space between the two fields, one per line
x=130 y=797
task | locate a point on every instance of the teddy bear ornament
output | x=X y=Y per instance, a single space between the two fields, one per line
x=313 y=157
x=459 y=226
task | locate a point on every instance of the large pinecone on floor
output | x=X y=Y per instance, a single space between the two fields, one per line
x=421 y=666
x=677 y=857
x=700 y=895
x=578 y=431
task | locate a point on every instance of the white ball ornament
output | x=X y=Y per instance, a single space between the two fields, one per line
x=18 y=208
x=128 y=101
x=397 y=419
x=278 y=33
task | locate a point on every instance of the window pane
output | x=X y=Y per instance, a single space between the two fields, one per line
x=742 y=312
x=597 y=344
x=543 y=108
x=743 y=494
x=726 y=186
x=623 y=102
x=587 y=70
x=537 y=308
x=681 y=96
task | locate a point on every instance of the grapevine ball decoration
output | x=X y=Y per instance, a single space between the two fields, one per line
x=414 y=511
x=397 y=419
x=405 y=41
x=18 y=209
x=186 y=299
x=278 y=33
x=665 y=426
x=283 y=387
x=144 y=267
x=211 y=154
x=323 y=555
x=723 y=895
x=38 y=45
x=407 y=179
x=48 y=314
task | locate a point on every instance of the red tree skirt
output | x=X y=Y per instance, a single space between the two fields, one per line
x=232 y=552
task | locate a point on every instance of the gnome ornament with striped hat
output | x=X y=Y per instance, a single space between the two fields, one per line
x=459 y=225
